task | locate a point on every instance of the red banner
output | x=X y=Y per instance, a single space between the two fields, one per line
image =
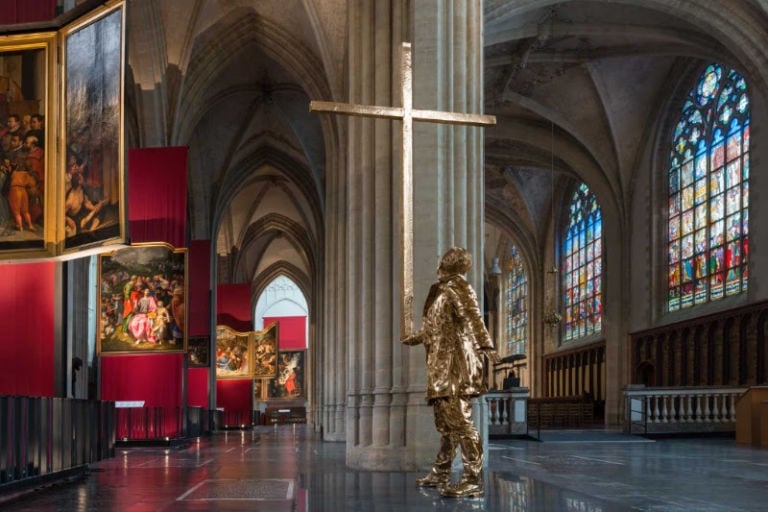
x=291 y=331
x=199 y=315
x=154 y=379
x=233 y=306
x=157 y=192
x=197 y=387
x=27 y=336
x=235 y=396
x=26 y=11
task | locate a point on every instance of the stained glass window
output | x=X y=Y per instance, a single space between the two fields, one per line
x=582 y=265
x=516 y=295
x=707 y=230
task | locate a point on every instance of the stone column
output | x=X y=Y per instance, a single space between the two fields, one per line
x=389 y=425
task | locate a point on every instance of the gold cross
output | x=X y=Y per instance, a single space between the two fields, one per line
x=407 y=114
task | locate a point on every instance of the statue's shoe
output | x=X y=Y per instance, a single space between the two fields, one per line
x=432 y=480
x=462 y=490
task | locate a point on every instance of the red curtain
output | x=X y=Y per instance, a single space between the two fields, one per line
x=197 y=387
x=291 y=331
x=199 y=316
x=26 y=11
x=233 y=306
x=235 y=396
x=157 y=192
x=155 y=379
x=27 y=334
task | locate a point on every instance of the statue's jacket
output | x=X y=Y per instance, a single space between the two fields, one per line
x=454 y=336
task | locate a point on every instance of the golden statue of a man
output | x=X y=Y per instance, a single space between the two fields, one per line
x=455 y=337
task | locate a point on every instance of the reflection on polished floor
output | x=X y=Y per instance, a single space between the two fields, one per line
x=286 y=468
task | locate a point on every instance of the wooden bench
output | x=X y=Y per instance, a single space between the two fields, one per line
x=279 y=415
x=563 y=412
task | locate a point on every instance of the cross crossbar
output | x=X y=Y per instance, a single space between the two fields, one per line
x=407 y=114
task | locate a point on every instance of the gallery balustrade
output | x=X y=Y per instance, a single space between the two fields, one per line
x=681 y=410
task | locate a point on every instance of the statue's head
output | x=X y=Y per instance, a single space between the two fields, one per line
x=456 y=260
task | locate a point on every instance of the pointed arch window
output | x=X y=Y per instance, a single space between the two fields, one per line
x=708 y=215
x=582 y=266
x=516 y=303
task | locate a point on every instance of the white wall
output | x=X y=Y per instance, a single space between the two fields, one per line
x=281 y=298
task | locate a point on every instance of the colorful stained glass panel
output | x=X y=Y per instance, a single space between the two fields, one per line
x=707 y=233
x=582 y=274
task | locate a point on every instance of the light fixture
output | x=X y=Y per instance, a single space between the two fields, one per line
x=495 y=268
x=552 y=318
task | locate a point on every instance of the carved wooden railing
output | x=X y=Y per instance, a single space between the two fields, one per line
x=576 y=371
x=722 y=349
x=680 y=410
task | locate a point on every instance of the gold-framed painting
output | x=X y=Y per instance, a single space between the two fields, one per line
x=142 y=298
x=198 y=351
x=92 y=164
x=28 y=78
x=289 y=382
x=265 y=352
x=233 y=353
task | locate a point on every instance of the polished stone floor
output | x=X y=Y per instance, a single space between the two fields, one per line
x=286 y=468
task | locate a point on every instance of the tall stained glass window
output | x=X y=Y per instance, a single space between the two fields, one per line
x=582 y=264
x=708 y=234
x=516 y=295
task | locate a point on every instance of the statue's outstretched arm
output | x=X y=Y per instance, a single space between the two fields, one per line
x=413 y=339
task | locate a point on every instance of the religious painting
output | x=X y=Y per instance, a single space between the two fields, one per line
x=27 y=195
x=142 y=297
x=233 y=354
x=289 y=382
x=265 y=352
x=93 y=207
x=198 y=351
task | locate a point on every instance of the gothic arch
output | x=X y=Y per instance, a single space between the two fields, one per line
x=282 y=268
x=238 y=28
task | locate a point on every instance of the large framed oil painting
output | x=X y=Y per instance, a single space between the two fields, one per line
x=92 y=153
x=27 y=184
x=233 y=353
x=265 y=352
x=142 y=297
x=289 y=382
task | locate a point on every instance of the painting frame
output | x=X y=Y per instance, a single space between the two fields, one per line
x=265 y=352
x=290 y=382
x=93 y=211
x=198 y=351
x=135 y=284
x=234 y=353
x=30 y=76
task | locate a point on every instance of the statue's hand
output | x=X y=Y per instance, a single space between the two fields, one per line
x=412 y=339
x=493 y=356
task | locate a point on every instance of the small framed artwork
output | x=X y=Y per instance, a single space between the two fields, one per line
x=92 y=153
x=27 y=149
x=265 y=352
x=198 y=351
x=289 y=382
x=233 y=353
x=142 y=299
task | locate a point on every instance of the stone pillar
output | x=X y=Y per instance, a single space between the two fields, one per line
x=374 y=418
x=389 y=425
